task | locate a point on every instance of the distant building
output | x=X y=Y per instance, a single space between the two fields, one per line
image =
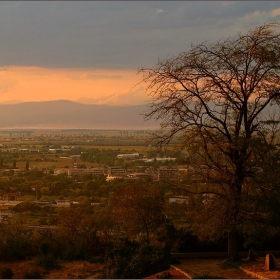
x=30 y=151
x=178 y=199
x=165 y=173
x=77 y=165
x=97 y=171
x=75 y=156
x=116 y=171
x=42 y=203
x=165 y=159
x=61 y=203
x=11 y=196
x=55 y=151
x=6 y=212
x=58 y=171
x=13 y=150
x=129 y=156
x=18 y=171
x=140 y=175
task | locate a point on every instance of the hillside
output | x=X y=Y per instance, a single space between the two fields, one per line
x=69 y=114
x=67 y=270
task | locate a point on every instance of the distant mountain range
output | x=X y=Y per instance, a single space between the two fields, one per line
x=68 y=114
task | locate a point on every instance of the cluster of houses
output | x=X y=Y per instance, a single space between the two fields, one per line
x=115 y=172
x=7 y=212
x=10 y=200
x=110 y=173
x=39 y=150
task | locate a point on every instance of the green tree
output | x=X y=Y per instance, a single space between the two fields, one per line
x=138 y=209
x=16 y=241
x=214 y=97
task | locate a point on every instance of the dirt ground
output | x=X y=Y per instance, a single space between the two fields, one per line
x=258 y=269
x=87 y=270
x=174 y=274
x=69 y=270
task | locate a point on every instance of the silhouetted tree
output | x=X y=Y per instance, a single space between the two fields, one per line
x=214 y=97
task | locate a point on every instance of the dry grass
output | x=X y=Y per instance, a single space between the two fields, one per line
x=68 y=270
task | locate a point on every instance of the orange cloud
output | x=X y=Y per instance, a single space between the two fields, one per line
x=39 y=84
x=275 y=12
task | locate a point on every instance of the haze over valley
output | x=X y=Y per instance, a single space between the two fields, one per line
x=68 y=114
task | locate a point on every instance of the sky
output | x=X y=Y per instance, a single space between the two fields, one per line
x=90 y=51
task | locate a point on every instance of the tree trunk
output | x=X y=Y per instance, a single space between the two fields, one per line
x=234 y=207
x=233 y=244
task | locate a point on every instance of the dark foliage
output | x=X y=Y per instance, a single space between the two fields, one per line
x=32 y=274
x=48 y=262
x=6 y=273
x=133 y=260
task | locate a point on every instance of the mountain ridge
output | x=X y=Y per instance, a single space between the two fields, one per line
x=71 y=114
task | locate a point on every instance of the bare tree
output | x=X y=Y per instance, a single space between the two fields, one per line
x=215 y=97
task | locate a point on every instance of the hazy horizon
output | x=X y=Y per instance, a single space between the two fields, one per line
x=84 y=101
x=67 y=114
x=90 y=51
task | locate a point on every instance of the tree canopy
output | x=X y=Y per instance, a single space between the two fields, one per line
x=216 y=98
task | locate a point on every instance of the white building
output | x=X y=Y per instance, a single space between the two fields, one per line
x=178 y=199
x=61 y=203
x=140 y=175
x=129 y=156
x=58 y=171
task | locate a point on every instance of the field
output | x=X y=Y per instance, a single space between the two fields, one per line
x=118 y=140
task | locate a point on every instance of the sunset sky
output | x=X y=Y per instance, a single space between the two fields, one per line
x=90 y=51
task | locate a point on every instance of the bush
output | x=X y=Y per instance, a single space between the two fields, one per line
x=70 y=253
x=13 y=247
x=6 y=273
x=48 y=262
x=97 y=259
x=133 y=260
x=32 y=274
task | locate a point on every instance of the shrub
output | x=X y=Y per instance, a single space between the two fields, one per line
x=32 y=274
x=97 y=259
x=133 y=260
x=48 y=262
x=6 y=273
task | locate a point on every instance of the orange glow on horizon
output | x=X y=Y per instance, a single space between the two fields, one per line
x=41 y=84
